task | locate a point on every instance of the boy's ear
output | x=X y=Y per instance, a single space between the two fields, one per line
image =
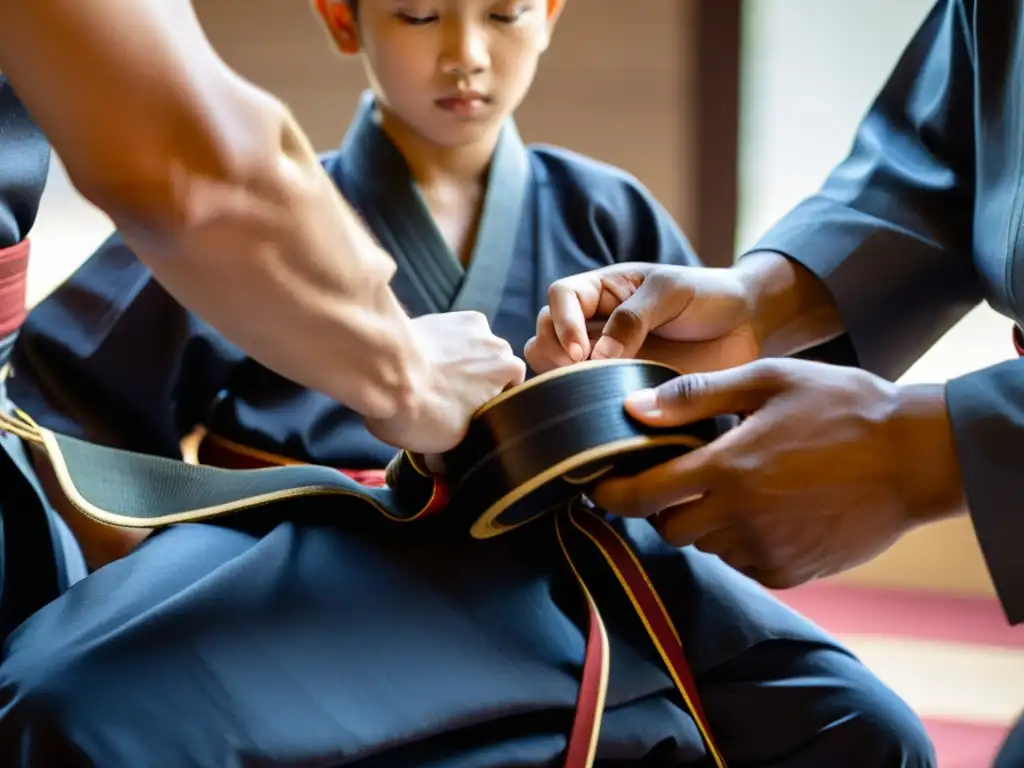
x=554 y=11
x=336 y=16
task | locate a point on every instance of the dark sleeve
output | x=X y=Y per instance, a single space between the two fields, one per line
x=612 y=217
x=890 y=232
x=109 y=356
x=986 y=409
x=645 y=231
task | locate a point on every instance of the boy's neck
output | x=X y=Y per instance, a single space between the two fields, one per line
x=428 y=162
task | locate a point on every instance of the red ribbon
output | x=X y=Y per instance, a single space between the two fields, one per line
x=13 y=282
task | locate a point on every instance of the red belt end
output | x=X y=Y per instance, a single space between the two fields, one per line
x=13 y=284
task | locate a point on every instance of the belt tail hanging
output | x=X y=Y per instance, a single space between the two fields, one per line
x=132 y=490
x=650 y=610
x=586 y=728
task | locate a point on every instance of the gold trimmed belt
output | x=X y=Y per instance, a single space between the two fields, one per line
x=534 y=451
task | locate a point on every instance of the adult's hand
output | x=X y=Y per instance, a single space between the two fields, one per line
x=829 y=467
x=693 y=318
x=467 y=365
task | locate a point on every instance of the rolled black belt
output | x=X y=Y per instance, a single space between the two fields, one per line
x=530 y=451
x=534 y=451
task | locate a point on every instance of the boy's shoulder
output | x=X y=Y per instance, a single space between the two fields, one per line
x=575 y=172
x=570 y=174
x=608 y=208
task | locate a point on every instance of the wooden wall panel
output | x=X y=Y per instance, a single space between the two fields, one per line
x=715 y=28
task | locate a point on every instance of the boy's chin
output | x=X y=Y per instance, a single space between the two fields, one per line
x=453 y=133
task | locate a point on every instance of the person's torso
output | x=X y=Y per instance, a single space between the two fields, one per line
x=263 y=410
x=995 y=35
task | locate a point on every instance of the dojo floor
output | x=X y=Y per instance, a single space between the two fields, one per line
x=952 y=658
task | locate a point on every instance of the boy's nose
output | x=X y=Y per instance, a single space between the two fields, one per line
x=465 y=51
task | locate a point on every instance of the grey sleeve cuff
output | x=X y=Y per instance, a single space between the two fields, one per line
x=897 y=292
x=986 y=409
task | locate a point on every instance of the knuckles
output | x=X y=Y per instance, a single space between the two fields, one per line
x=664 y=281
x=770 y=372
x=471 y=319
x=625 y=325
x=556 y=290
x=564 y=288
x=683 y=389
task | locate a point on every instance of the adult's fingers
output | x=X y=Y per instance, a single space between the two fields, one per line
x=667 y=485
x=661 y=297
x=571 y=301
x=723 y=542
x=544 y=352
x=575 y=299
x=696 y=396
x=704 y=520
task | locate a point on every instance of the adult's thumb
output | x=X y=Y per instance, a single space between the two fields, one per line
x=659 y=299
x=696 y=396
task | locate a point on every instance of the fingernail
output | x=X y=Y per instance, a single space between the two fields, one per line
x=575 y=352
x=606 y=347
x=644 y=402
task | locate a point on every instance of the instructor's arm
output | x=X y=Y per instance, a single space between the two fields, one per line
x=217 y=189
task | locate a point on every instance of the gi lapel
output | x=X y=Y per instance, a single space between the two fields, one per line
x=375 y=177
x=484 y=282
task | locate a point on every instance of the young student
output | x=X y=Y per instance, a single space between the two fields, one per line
x=201 y=171
x=321 y=645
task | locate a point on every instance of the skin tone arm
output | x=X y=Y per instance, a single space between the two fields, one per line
x=214 y=185
x=792 y=310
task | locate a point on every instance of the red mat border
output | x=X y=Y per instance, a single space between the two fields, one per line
x=860 y=610
x=965 y=745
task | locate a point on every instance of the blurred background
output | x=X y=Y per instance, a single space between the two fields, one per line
x=730 y=112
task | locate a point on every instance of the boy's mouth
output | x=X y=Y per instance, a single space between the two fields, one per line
x=464 y=104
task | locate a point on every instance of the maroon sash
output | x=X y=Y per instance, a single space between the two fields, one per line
x=13 y=281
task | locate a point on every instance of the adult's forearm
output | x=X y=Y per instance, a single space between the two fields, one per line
x=263 y=247
x=275 y=259
x=793 y=309
x=216 y=188
x=890 y=231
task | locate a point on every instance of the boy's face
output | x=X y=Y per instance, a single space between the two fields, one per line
x=450 y=69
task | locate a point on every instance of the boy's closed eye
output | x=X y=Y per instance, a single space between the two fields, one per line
x=415 y=20
x=513 y=14
x=510 y=16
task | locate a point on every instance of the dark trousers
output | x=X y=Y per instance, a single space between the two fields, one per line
x=1012 y=753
